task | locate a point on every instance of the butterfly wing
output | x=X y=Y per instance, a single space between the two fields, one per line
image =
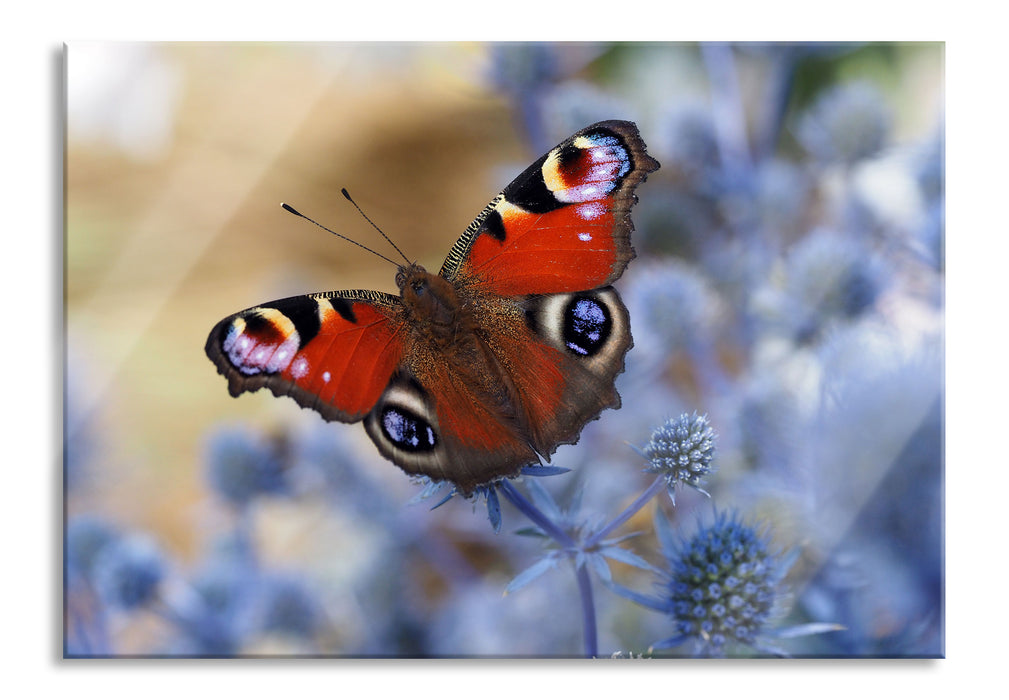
x=333 y=352
x=564 y=224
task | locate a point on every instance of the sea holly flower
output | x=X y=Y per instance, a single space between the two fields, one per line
x=723 y=585
x=673 y=305
x=242 y=465
x=681 y=450
x=846 y=125
x=722 y=588
x=129 y=571
x=290 y=606
x=86 y=537
x=829 y=278
x=691 y=145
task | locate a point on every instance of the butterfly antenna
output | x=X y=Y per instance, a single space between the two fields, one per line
x=294 y=211
x=347 y=195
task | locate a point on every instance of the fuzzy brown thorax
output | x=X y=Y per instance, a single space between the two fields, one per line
x=430 y=300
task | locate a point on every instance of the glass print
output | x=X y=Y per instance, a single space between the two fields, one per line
x=771 y=483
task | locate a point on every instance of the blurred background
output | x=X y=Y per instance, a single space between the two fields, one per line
x=789 y=283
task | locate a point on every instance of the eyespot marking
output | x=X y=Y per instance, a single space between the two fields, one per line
x=406 y=430
x=587 y=325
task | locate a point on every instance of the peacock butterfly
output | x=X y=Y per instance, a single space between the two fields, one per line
x=473 y=373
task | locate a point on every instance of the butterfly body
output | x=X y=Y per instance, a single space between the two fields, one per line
x=486 y=367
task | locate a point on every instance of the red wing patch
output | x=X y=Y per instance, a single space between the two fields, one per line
x=564 y=224
x=565 y=379
x=333 y=353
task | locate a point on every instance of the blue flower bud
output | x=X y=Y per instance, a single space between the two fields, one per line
x=681 y=450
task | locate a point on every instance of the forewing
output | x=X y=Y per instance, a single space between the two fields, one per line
x=333 y=353
x=564 y=224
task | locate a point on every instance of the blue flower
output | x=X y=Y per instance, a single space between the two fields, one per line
x=129 y=571
x=723 y=588
x=692 y=145
x=86 y=536
x=678 y=315
x=681 y=449
x=781 y=197
x=873 y=489
x=768 y=423
x=573 y=104
x=217 y=616
x=290 y=607
x=829 y=277
x=527 y=72
x=847 y=124
x=241 y=465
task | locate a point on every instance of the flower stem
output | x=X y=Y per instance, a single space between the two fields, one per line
x=588 y=612
x=566 y=541
x=535 y=514
x=727 y=106
x=629 y=511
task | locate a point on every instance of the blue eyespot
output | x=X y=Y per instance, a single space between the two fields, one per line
x=407 y=431
x=587 y=325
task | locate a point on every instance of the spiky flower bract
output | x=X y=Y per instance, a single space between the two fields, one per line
x=486 y=491
x=724 y=585
x=681 y=449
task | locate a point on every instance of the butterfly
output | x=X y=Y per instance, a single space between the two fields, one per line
x=471 y=374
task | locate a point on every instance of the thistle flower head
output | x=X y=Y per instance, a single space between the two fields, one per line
x=242 y=465
x=829 y=278
x=724 y=586
x=290 y=606
x=129 y=571
x=675 y=305
x=692 y=142
x=681 y=449
x=847 y=124
x=86 y=536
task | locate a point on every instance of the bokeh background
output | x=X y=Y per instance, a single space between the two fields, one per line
x=789 y=283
